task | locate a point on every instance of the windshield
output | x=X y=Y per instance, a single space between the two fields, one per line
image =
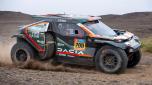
x=99 y=28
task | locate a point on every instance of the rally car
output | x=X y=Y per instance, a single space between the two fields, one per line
x=76 y=40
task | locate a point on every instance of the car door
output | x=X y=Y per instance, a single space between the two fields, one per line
x=72 y=41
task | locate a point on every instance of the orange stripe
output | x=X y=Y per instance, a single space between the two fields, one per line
x=91 y=34
x=35 y=24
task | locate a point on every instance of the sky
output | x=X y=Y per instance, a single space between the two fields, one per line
x=81 y=7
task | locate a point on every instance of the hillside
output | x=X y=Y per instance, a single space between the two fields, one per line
x=9 y=22
x=139 y=23
x=8 y=15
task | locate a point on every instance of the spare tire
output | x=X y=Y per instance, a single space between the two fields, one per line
x=49 y=47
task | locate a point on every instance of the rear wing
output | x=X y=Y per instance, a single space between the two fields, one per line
x=65 y=16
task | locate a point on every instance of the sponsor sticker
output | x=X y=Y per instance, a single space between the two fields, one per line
x=79 y=44
x=71 y=53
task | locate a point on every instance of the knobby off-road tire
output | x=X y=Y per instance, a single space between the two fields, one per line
x=111 y=60
x=134 y=60
x=49 y=47
x=22 y=54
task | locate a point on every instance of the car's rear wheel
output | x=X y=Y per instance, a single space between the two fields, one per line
x=134 y=59
x=111 y=60
x=22 y=54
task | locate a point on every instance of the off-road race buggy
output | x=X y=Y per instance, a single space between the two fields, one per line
x=76 y=40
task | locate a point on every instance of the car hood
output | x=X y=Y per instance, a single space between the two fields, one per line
x=124 y=36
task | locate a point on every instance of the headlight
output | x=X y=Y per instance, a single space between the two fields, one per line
x=128 y=43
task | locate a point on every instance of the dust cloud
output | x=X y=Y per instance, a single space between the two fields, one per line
x=5 y=49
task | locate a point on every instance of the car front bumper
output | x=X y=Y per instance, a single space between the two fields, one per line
x=133 y=45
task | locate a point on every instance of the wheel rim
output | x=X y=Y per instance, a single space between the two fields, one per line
x=110 y=61
x=21 y=56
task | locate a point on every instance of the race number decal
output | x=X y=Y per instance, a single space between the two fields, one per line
x=79 y=44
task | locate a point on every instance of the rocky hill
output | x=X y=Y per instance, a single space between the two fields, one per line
x=139 y=23
x=9 y=22
x=8 y=15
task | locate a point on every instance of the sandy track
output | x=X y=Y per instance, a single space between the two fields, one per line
x=141 y=75
x=46 y=74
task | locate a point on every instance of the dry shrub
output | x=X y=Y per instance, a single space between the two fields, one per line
x=147 y=45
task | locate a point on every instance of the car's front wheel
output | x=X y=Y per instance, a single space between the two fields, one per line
x=111 y=60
